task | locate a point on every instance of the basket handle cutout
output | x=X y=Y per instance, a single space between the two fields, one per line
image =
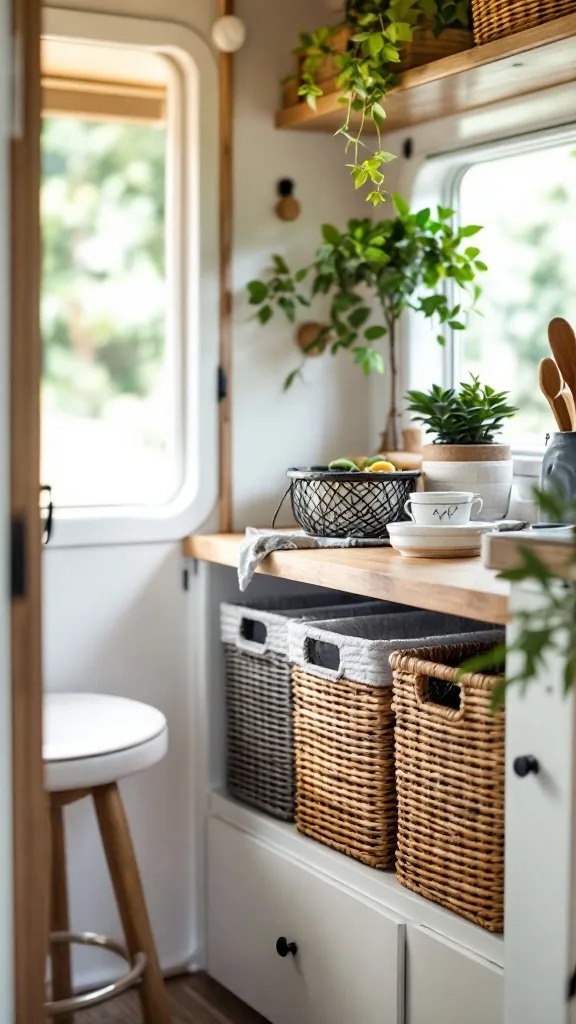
x=441 y=698
x=253 y=632
x=323 y=654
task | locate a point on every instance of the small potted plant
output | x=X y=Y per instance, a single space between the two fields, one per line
x=465 y=455
x=372 y=273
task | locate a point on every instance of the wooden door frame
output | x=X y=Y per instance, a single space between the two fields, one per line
x=29 y=815
x=225 y=135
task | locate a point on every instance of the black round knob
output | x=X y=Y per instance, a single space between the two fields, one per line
x=523 y=766
x=283 y=947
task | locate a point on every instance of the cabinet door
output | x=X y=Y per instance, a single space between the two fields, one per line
x=446 y=984
x=349 y=966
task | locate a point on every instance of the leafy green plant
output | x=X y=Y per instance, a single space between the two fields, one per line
x=368 y=70
x=473 y=415
x=549 y=627
x=372 y=272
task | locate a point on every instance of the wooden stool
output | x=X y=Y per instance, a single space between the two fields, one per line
x=90 y=742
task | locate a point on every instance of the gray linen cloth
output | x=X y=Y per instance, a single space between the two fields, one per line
x=258 y=544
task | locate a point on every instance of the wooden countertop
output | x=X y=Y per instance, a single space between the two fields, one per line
x=459 y=586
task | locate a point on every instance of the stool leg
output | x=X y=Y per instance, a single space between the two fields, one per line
x=59 y=918
x=127 y=884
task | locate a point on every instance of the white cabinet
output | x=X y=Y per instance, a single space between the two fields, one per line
x=349 y=968
x=446 y=984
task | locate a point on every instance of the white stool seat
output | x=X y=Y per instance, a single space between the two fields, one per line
x=92 y=739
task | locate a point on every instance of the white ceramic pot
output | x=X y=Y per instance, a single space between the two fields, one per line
x=484 y=469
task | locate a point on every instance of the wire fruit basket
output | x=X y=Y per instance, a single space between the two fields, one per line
x=337 y=503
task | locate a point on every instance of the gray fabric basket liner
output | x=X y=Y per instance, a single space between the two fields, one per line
x=276 y=613
x=362 y=646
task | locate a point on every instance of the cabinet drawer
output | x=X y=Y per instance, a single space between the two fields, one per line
x=350 y=961
x=446 y=984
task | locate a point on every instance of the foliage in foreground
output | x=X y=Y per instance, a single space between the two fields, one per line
x=549 y=629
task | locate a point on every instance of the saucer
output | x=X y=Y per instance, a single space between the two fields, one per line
x=417 y=541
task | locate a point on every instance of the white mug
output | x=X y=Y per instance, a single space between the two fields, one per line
x=442 y=508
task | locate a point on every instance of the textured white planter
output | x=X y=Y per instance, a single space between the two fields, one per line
x=484 y=469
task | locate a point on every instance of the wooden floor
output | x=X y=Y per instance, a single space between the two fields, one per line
x=195 y=999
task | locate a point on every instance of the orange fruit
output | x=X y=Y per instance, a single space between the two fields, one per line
x=382 y=467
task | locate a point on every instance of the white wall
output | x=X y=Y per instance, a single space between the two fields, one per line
x=6 y=980
x=116 y=618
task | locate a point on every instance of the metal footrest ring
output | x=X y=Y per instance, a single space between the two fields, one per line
x=99 y=995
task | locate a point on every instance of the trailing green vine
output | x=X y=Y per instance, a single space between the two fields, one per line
x=367 y=70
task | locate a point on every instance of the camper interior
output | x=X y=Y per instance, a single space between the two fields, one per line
x=288 y=466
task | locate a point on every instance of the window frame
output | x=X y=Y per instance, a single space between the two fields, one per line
x=192 y=270
x=438 y=181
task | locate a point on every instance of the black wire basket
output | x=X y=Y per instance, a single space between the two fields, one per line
x=330 y=503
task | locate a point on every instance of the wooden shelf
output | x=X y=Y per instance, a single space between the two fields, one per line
x=460 y=586
x=530 y=61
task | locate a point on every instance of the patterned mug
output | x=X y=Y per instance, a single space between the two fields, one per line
x=442 y=508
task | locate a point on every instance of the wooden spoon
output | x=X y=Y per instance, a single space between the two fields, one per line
x=551 y=385
x=563 y=344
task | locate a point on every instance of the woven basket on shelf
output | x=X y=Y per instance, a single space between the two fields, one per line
x=495 y=19
x=450 y=783
x=344 y=726
x=426 y=47
x=259 y=735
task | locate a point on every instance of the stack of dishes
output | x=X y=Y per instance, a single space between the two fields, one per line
x=440 y=526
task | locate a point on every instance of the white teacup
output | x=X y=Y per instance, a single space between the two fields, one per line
x=442 y=508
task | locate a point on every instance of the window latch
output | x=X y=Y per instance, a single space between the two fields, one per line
x=49 y=510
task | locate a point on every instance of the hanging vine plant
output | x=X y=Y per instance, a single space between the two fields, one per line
x=368 y=69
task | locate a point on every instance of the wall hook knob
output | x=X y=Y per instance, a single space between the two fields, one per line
x=287 y=207
x=284 y=948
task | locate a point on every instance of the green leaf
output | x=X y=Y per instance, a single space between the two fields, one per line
x=456 y=325
x=359 y=316
x=444 y=213
x=375 y=332
x=258 y=292
x=301 y=274
x=472 y=252
x=375 y=255
x=265 y=314
x=375 y=43
x=280 y=265
x=469 y=230
x=480 y=265
x=401 y=205
x=330 y=234
x=290 y=379
x=378 y=113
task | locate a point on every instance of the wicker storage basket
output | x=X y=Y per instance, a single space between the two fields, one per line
x=426 y=47
x=344 y=725
x=495 y=19
x=450 y=782
x=260 y=747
